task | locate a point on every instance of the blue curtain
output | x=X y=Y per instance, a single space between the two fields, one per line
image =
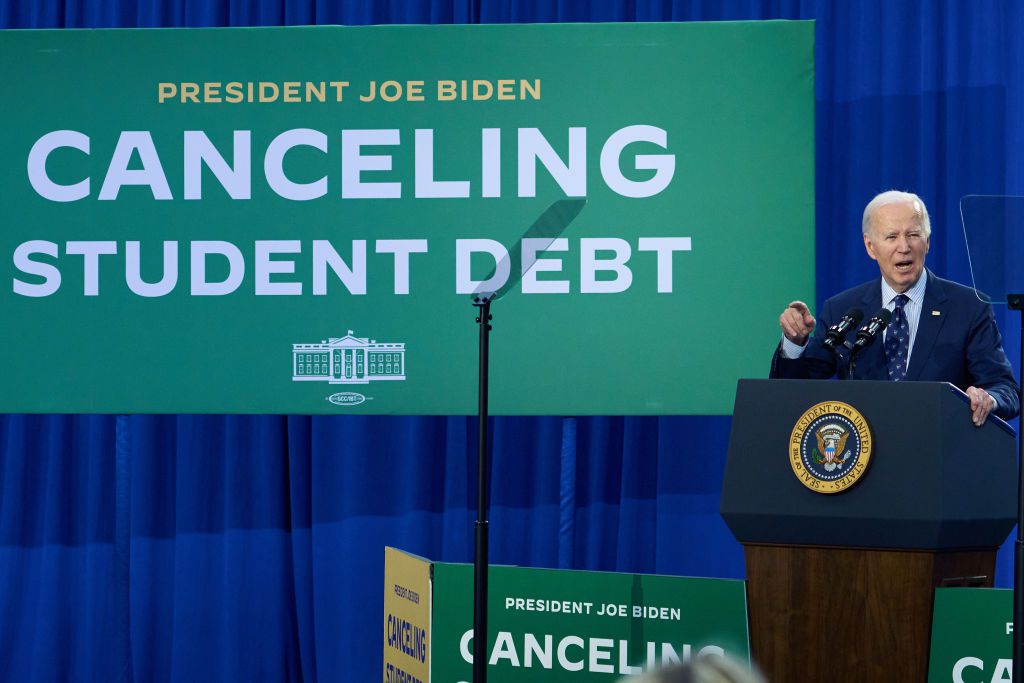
x=195 y=548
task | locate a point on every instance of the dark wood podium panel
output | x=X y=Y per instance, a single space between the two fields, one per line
x=832 y=615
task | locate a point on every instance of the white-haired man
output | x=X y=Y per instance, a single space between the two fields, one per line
x=940 y=330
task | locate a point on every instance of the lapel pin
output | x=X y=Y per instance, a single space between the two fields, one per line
x=936 y=313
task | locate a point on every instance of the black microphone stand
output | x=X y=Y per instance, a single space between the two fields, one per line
x=1016 y=303
x=547 y=228
x=855 y=349
x=482 y=302
x=864 y=342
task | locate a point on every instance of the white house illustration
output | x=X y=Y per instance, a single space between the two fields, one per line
x=348 y=360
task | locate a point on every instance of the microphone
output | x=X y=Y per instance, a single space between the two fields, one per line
x=867 y=334
x=837 y=333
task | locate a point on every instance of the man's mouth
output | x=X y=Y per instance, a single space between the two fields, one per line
x=904 y=265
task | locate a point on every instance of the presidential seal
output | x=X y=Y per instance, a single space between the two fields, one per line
x=830 y=447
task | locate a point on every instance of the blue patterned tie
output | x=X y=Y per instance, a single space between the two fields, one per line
x=897 y=341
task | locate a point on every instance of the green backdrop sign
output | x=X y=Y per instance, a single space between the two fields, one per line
x=291 y=220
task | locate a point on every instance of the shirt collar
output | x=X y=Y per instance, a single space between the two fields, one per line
x=915 y=293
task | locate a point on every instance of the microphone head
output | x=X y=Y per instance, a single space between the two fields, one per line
x=866 y=335
x=837 y=332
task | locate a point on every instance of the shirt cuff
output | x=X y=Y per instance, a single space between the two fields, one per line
x=791 y=350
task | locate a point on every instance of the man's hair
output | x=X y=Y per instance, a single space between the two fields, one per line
x=897 y=197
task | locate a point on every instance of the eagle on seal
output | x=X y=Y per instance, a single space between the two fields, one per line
x=831 y=442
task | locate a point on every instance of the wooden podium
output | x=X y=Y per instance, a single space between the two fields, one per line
x=840 y=586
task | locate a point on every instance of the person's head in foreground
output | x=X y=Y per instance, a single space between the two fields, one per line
x=709 y=669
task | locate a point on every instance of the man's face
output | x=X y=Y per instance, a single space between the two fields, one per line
x=897 y=241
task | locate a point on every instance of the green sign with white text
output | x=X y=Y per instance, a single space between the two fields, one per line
x=291 y=220
x=553 y=624
x=972 y=636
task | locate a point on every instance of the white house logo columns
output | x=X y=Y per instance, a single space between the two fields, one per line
x=348 y=360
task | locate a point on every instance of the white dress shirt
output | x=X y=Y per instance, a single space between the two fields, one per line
x=911 y=309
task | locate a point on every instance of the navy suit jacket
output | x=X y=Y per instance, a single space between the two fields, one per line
x=957 y=342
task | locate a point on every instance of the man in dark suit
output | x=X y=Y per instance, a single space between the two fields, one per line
x=940 y=330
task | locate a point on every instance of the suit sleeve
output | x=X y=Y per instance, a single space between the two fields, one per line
x=817 y=362
x=988 y=365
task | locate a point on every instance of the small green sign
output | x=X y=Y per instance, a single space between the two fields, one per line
x=972 y=636
x=548 y=625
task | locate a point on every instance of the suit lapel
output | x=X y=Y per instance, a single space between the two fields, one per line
x=872 y=298
x=871 y=362
x=928 y=326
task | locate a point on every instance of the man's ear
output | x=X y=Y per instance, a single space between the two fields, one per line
x=870 y=247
